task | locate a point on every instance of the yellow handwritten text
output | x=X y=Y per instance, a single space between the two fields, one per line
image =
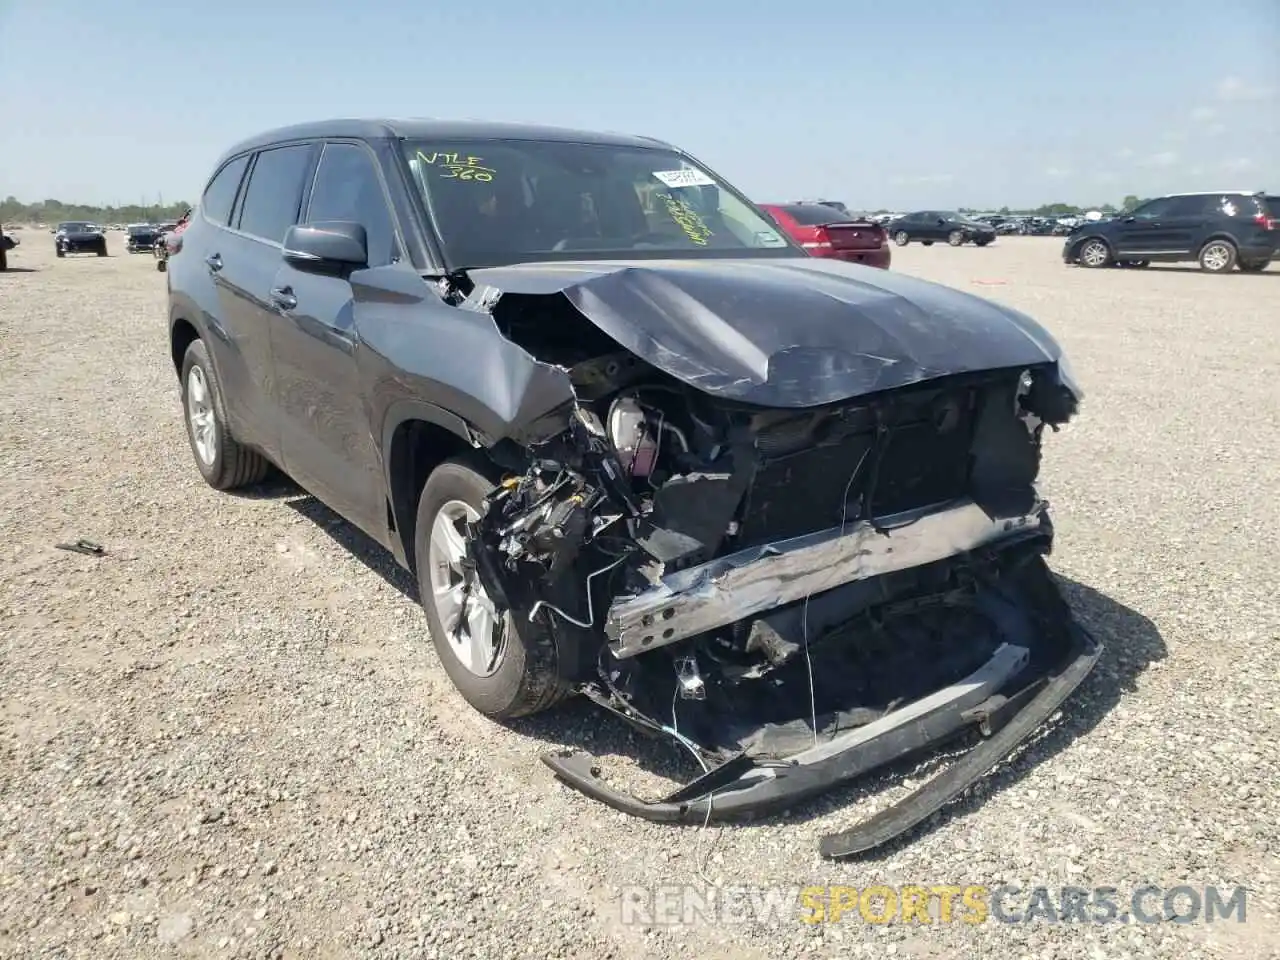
x=458 y=166
x=687 y=219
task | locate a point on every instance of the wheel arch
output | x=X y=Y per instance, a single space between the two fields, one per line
x=417 y=437
x=182 y=333
x=1080 y=241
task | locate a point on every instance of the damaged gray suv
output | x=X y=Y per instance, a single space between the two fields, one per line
x=635 y=444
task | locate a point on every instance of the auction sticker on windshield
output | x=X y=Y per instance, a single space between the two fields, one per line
x=684 y=178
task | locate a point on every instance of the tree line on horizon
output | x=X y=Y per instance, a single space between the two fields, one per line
x=13 y=210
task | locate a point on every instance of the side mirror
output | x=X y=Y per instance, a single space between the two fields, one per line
x=327 y=246
x=942 y=220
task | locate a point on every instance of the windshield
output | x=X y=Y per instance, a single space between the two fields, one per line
x=498 y=202
x=76 y=226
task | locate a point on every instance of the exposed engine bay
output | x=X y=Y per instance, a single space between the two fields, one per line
x=760 y=585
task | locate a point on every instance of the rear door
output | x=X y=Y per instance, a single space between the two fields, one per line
x=325 y=428
x=244 y=260
x=1188 y=221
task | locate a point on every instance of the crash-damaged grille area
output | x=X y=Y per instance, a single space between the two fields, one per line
x=806 y=673
x=812 y=584
x=922 y=457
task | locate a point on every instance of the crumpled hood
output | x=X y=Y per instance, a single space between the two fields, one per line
x=793 y=332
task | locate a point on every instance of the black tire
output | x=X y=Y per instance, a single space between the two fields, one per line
x=61 y=252
x=926 y=243
x=956 y=238
x=902 y=238
x=161 y=266
x=4 y=260
x=102 y=250
x=981 y=243
x=1218 y=256
x=1093 y=253
x=527 y=678
x=233 y=465
x=1251 y=266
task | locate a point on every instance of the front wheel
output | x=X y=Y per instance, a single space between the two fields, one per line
x=1217 y=256
x=955 y=238
x=1094 y=253
x=502 y=664
x=223 y=462
x=60 y=252
x=902 y=238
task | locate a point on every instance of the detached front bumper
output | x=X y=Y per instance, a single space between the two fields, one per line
x=998 y=698
x=727 y=589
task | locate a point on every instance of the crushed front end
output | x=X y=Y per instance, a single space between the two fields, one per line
x=794 y=596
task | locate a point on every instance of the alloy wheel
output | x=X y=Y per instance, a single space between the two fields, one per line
x=1216 y=257
x=475 y=631
x=1094 y=253
x=204 y=428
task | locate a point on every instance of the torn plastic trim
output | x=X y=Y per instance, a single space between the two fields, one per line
x=710 y=798
x=727 y=589
x=901 y=731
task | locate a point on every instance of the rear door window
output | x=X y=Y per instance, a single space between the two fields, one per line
x=1194 y=206
x=274 y=192
x=220 y=195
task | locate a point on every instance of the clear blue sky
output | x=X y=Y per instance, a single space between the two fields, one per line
x=894 y=103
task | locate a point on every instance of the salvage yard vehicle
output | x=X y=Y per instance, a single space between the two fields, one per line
x=79 y=236
x=7 y=242
x=930 y=225
x=636 y=445
x=825 y=232
x=1218 y=229
x=141 y=237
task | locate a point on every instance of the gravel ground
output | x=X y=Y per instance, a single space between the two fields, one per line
x=229 y=737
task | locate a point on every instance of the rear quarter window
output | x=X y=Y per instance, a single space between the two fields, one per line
x=813 y=215
x=220 y=195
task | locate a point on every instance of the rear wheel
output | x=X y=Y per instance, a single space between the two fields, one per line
x=1094 y=253
x=4 y=259
x=955 y=238
x=1218 y=256
x=902 y=238
x=502 y=664
x=223 y=462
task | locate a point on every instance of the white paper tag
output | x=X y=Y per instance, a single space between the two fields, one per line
x=684 y=178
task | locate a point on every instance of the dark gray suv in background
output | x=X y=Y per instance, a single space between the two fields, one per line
x=1218 y=229
x=635 y=444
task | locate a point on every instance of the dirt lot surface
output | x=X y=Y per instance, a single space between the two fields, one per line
x=230 y=737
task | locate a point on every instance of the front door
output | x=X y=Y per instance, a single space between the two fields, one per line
x=328 y=440
x=1145 y=232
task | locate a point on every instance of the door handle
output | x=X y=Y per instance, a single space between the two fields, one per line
x=214 y=262
x=283 y=298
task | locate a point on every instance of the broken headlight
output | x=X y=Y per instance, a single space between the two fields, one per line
x=629 y=432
